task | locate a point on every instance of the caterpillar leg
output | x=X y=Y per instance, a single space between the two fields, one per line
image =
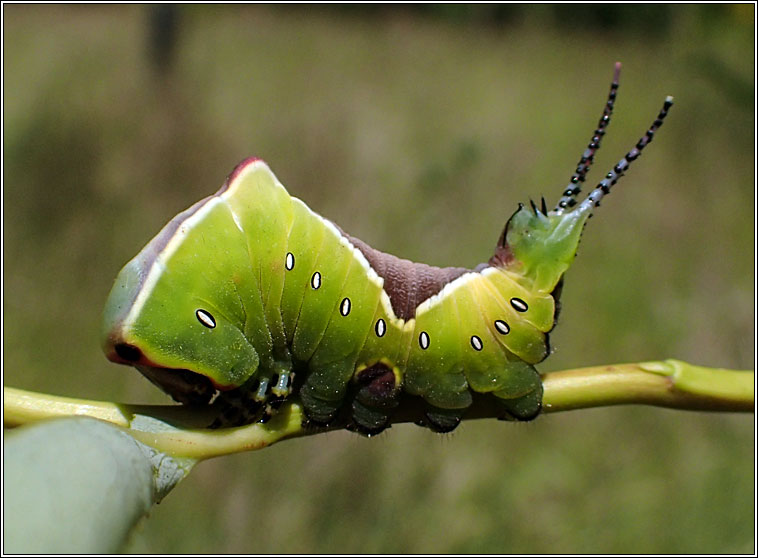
x=255 y=401
x=376 y=396
x=523 y=407
x=238 y=406
x=283 y=386
x=441 y=420
x=323 y=392
x=319 y=411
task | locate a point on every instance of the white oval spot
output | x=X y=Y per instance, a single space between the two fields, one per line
x=289 y=261
x=502 y=327
x=381 y=328
x=519 y=305
x=476 y=343
x=316 y=280
x=345 y=307
x=205 y=318
x=423 y=340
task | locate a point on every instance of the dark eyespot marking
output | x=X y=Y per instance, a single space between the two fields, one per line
x=316 y=281
x=380 y=328
x=345 y=307
x=476 y=343
x=519 y=305
x=205 y=318
x=502 y=327
x=128 y=352
x=289 y=261
x=423 y=340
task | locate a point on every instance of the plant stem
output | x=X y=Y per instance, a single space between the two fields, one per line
x=177 y=430
x=670 y=383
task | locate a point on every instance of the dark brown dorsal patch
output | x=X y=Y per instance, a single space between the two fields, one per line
x=406 y=283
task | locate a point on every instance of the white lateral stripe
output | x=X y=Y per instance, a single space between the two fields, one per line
x=447 y=290
x=371 y=274
x=158 y=266
x=159 y=263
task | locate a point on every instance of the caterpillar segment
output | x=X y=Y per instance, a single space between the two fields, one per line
x=250 y=297
x=266 y=240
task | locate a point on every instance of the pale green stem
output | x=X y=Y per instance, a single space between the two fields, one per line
x=177 y=431
x=670 y=383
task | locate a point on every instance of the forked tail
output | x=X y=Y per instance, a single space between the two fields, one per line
x=571 y=191
x=539 y=244
x=593 y=199
x=588 y=157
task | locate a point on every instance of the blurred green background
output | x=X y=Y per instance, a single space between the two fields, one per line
x=417 y=129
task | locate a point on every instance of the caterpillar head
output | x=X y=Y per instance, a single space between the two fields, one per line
x=539 y=244
x=174 y=313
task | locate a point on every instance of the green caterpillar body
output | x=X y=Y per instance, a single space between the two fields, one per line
x=252 y=294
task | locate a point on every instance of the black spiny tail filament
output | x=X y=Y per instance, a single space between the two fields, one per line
x=588 y=157
x=618 y=171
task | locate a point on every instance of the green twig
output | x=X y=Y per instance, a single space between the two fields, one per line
x=670 y=383
x=138 y=453
x=177 y=431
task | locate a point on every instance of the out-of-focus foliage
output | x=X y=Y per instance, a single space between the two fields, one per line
x=76 y=485
x=417 y=130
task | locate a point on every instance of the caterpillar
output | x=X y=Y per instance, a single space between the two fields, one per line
x=249 y=297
